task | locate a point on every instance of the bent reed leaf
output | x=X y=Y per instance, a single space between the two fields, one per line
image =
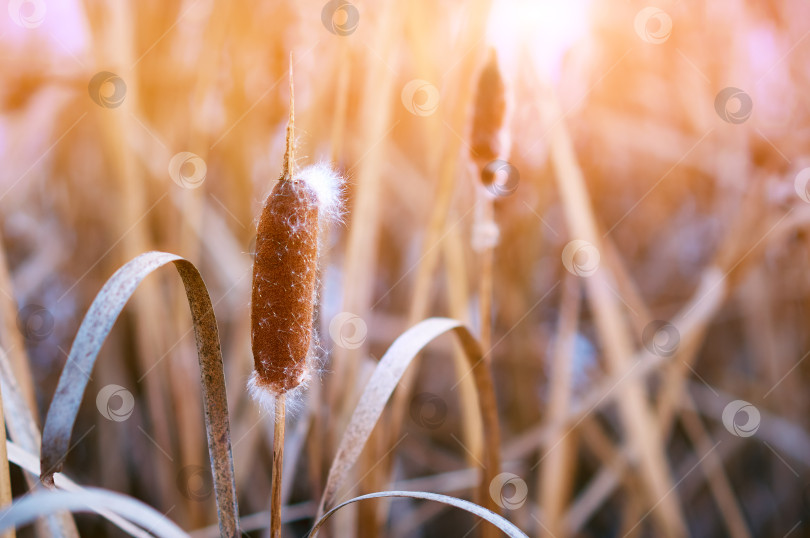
x=23 y=430
x=29 y=462
x=499 y=521
x=30 y=507
x=384 y=380
x=94 y=329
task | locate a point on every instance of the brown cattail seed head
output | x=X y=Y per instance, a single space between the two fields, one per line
x=486 y=139
x=284 y=287
x=285 y=272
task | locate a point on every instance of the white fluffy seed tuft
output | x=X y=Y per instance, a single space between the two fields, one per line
x=327 y=185
x=266 y=398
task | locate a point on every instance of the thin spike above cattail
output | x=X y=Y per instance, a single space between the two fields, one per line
x=288 y=168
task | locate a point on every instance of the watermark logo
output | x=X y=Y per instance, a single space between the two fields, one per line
x=801 y=184
x=741 y=418
x=27 y=13
x=340 y=17
x=348 y=330
x=733 y=105
x=428 y=410
x=115 y=403
x=195 y=482
x=35 y=322
x=653 y=25
x=580 y=258
x=107 y=89
x=187 y=170
x=420 y=97
x=661 y=338
x=500 y=178
x=508 y=491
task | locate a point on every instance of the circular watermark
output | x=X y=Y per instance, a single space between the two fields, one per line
x=653 y=25
x=661 y=338
x=195 y=482
x=508 y=491
x=733 y=413
x=420 y=97
x=187 y=170
x=801 y=184
x=348 y=330
x=580 y=258
x=733 y=105
x=27 y=13
x=35 y=322
x=500 y=178
x=115 y=403
x=428 y=410
x=340 y=17
x=107 y=89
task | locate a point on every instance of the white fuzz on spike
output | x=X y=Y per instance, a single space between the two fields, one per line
x=328 y=187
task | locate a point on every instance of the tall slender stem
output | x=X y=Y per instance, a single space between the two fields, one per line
x=278 y=463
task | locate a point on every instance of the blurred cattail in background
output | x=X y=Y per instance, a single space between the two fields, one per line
x=488 y=137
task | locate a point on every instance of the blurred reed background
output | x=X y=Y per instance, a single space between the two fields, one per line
x=648 y=232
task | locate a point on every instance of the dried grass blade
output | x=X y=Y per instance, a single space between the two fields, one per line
x=29 y=462
x=5 y=478
x=30 y=507
x=24 y=431
x=385 y=379
x=94 y=330
x=508 y=528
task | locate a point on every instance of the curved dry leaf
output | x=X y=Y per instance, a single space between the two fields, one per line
x=93 y=331
x=499 y=521
x=23 y=430
x=25 y=460
x=384 y=380
x=30 y=507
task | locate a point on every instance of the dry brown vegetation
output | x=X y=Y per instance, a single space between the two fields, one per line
x=641 y=254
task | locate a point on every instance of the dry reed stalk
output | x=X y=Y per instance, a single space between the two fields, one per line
x=361 y=248
x=5 y=478
x=12 y=339
x=113 y=43
x=555 y=478
x=23 y=430
x=640 y=424
x=696 y=315
x=458 y=300
x=361 y=258
x=193 y=134
x=674 y=377
x=673 y=391
x=447 y=166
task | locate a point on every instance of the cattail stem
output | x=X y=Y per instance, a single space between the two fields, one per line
x=485 y=291
x=278 y=463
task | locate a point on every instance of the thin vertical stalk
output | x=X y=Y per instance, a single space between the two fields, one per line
x=278 y=464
